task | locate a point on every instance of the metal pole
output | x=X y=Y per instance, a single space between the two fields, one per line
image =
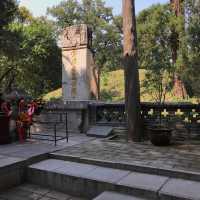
x=66 y=129
x=55 y=140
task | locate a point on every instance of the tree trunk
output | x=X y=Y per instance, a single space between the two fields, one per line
x=179 y=87
x=132 y=89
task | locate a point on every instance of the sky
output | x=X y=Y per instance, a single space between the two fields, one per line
x=38 y=7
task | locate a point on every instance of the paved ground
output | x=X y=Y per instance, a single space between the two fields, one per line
x=34 y=192
x=180 y=156
x=37 y=147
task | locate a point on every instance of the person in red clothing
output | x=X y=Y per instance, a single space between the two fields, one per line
x=32 y=107
x=21 y=121
x=5 y=109
x=31 y=110
x=21 y=105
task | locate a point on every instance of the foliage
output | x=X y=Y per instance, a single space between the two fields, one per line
x=24 y=15
x=32 y=60
x=154 y=49
x=191 y=75
x=8 y=9
x=112 y=89
x=8 y=42
x=39 y=64
x=55 y=94
x=107 y=37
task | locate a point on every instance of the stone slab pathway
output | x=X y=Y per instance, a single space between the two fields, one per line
x=34 y=192
x=17 y=152
x=175 y=157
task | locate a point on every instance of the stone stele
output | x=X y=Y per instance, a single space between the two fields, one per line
x=79 y=73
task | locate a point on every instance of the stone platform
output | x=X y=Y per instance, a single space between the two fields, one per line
x=89 y=181
x=14 y=158
x=88 y=167
x=178 y=157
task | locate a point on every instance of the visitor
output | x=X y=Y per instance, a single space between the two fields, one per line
x=21 y=106
x=22 y=120
x=32 y=106
x=5 y=109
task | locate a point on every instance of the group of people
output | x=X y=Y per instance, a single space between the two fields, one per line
x=25 y=117
x=21 y=113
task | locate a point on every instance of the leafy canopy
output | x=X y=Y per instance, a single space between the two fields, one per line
x=153 y=26
x=107 y=38
x=29 y=56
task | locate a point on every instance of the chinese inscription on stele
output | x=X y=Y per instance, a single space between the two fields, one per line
x=76 y=36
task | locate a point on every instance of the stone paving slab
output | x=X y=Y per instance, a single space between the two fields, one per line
x=144 y=181
x=120 y=180
x=7 y=161
x=181 y=189
x=77 y=169
x=33 y=148
x=81 y=170
x=100 y=131
x=84 y=178
x=36 y=189
x=107 y=174
x=115 y=196
x=34 y=192
x=182 y=157
x=27 y=150
x=50 y=164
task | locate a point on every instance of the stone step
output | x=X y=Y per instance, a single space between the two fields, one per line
x=11 y=171
x=169 y=172
x=89 y=181
x=115 y=196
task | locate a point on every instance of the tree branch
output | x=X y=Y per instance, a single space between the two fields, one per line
x=6 y=73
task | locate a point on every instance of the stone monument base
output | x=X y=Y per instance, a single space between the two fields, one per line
x=77 y=116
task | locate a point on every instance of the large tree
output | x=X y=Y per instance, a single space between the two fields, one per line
x=154 y=33
x=8 y=40
x=176 y=45
x=8 y=10
x=191 y=74
x=38 y=65
x=132 y=89
x=31 y=59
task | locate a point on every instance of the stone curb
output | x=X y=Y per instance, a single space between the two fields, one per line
x=172 y=173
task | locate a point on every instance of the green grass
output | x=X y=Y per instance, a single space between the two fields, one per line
x=112 y=86
x=56 y=94
x=112 y=89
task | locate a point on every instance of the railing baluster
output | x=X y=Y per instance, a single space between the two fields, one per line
x=55 y=135
x=66 y=127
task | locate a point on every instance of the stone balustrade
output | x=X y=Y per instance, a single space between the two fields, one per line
x=183 y=118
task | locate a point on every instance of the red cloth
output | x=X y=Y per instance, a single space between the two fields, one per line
x=21 y=131
x=22 y=106
x=31 y=111
x=6 y=109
